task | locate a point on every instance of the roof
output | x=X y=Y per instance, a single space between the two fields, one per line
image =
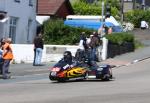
x=51 y=7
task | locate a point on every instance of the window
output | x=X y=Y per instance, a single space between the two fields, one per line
x=29 y=28
x=30 y=2
x=17 y=1
x=12 y=28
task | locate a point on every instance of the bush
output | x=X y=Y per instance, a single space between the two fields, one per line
x=81 y=7
x=120 y=38
x=136 y=16
x=120 y=43
x=55 y=32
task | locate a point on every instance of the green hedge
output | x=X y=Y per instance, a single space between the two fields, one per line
x=81 y=7
x=136 y=16
x=120 y=38
x=55 y=32
x=120 y=43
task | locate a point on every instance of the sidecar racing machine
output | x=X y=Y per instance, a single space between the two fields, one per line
x=62 y=72
x=82 y=68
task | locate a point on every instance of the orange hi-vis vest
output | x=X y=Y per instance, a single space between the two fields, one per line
x=7 y=51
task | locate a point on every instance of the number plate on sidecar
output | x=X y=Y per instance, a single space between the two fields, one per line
x=53 y=73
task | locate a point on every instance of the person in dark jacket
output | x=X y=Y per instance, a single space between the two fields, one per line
x=1 y=53
x=95 y=42
x=1 y=60
x=38 y=50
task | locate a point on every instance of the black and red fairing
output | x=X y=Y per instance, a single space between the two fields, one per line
x=60 y=72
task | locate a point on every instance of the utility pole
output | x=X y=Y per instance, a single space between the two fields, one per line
x=122 y=10
x=143 y=4
x=134 y=2
x=102 y=11
x=103 y=52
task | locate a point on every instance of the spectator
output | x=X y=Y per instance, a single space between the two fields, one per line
x=7 y=57
x=94 y=44
x=144 y=25
x=1 y=60
x=1 y=52
x=82 y=47
x=38 y=50
x=89 y=40
x=82 y=42
x=103 y=30
x=110 y=30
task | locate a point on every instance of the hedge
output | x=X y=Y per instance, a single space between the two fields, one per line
x=136 y=16
x=120 y=38
x=120 y=43
x=55 y=32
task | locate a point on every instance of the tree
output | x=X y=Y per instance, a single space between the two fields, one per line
x=82 y=7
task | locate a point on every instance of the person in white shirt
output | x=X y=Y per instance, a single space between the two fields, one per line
x=82 y=43
x=89 y=39
x=82 y=47
x=144 y=25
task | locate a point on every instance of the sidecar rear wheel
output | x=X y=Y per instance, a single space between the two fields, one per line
x=106 y=77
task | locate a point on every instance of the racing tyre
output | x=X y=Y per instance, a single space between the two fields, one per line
x=106 y=77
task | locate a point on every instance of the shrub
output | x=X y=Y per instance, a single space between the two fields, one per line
x=120 y=43
x=120 y=38
x=81 y=7
x=55 y=32
x=136 y=16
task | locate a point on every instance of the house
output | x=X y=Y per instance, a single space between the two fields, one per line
x=53 y=9
x=136 y=4
x=18 y=20
x=147 y=2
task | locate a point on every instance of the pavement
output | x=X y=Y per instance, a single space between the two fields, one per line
x=142 y=36
x=129 y=58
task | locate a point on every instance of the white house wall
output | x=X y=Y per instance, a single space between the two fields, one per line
x=24 y=12
x=2 y=5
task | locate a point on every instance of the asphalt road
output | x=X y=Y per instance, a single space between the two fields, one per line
x=131 y=85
